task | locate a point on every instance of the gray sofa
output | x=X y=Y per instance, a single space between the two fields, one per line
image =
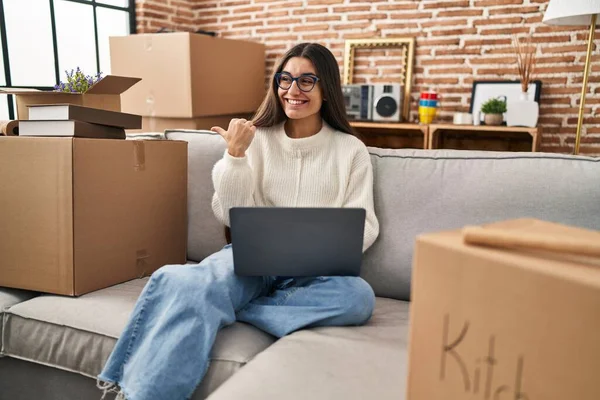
x=53 y=346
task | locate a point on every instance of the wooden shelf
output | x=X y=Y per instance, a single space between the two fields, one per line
x=486 y=128
x=386 y=125
x=478 y=132
x=393 y=135
x=437 y=136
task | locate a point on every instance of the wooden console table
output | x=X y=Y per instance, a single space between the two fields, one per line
x=448 y=136
x=484 y=137
x=393 y=135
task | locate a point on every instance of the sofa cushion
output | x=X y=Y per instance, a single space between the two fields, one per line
x=367 y=362
x=206 y=234
x=8 y=298
x=80 y=333
x=419 y=191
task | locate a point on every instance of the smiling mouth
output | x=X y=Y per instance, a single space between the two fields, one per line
x=296 y=102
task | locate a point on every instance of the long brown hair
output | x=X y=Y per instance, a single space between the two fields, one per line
x=333 y=111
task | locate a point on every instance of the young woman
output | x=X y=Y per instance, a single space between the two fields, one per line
x=298 y=152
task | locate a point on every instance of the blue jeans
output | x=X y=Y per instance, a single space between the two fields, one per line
x=163 y=351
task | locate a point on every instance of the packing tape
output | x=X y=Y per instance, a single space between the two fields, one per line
x=141 y=262
x=9 y=128
x=139 y=155
x=151 y=125
x=148 y=43
x=150 y=104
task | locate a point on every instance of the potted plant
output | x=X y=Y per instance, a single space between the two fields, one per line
x=493 y=110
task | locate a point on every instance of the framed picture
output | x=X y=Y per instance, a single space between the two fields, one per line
x=485 y=90
x=407 y=44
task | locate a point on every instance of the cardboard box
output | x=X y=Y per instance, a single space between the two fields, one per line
x=77 y=215
x=187 y=75
x=104 y=94
x=494 y=323
x=150 y=124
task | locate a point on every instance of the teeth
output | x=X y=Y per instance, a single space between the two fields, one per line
x=295 y=102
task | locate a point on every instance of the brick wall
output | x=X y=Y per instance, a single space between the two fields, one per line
x=457 y=41
x=152 y=15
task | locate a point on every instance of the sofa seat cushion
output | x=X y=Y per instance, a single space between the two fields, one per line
x=367 y=362
x=78 y=334
x=8 y=298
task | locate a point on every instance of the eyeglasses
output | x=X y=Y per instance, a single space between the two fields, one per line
x=305 y=82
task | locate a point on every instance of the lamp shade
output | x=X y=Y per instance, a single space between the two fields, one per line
x=571 y=12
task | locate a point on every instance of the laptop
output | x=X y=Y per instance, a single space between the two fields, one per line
x=278 y=241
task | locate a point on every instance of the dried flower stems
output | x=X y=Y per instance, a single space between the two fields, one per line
x=526 y=60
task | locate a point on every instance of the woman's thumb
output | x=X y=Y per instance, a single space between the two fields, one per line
x=219 y=130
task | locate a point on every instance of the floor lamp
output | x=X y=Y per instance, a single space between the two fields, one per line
x=577 y=13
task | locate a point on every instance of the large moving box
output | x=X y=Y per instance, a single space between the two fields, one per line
x=77 y=215
x=494 y=323
x=187 y=75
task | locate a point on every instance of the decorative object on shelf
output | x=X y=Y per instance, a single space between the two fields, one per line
x=405 y=44
x=511 y=90
x=77 y=82
x=493 y=111
x=476 y=117
x=359 y=102
x=576 y=13
x=428 y=107
x=462 y=119
x=524 y=111
x=387 y=100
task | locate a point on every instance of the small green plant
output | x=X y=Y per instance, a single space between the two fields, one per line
x=494 y=106
x=77 y=82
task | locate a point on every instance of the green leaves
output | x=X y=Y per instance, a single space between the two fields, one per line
x=494 y=106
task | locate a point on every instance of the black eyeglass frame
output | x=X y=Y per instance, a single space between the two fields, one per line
x=280 y=74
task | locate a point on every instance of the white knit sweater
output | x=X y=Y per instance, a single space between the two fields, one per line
x=328 y=169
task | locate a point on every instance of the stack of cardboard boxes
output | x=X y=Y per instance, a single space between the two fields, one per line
x=189 y=81
x=79 y=214
x=76 y=214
